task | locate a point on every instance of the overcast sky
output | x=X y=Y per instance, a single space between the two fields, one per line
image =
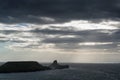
x=66 y=30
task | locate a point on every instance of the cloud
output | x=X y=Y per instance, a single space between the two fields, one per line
x=77 y=46
x=102 y=36
x=52 y=11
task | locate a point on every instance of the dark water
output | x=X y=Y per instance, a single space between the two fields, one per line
x=76 y=72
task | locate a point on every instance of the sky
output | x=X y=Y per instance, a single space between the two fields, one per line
x=79 y=31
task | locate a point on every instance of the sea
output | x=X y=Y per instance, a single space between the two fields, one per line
x=77 y=71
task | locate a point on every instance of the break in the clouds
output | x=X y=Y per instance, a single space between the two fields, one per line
x=68 y=25
x=69 y=36
x=51 y=11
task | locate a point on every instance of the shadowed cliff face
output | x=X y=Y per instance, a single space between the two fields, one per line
x=26 y=66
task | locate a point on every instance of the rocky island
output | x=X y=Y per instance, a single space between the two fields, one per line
x=55 y=65
x=28 y=66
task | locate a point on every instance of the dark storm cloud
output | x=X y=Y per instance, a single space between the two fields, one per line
x=82 y=38
x=79 y=36
x=9 y=31
x=69 y=46
x=66 y=38
x=86 y=36
x=70 y=31
x=59 y=35
x=21 y=11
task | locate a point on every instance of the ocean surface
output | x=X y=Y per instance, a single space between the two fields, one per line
x=75 y=72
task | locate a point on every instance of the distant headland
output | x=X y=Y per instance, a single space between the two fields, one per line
x=28 y=66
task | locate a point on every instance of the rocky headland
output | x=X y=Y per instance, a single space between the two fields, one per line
x=28 y=66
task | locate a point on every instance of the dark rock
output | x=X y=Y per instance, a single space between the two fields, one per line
x=22 y=66
x=55 y=65
x=28 y=66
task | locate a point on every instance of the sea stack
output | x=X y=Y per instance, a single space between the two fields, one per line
x=22 y=66
x=55 y=65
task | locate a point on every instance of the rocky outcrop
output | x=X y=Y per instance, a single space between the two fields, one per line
x=22 y=66
x=55 y=65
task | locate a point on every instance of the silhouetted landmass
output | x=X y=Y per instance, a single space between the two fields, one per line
x=23 y=66
x=28 y=66
x=77 y=71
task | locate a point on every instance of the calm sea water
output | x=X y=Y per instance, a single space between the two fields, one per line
x=76 y=72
